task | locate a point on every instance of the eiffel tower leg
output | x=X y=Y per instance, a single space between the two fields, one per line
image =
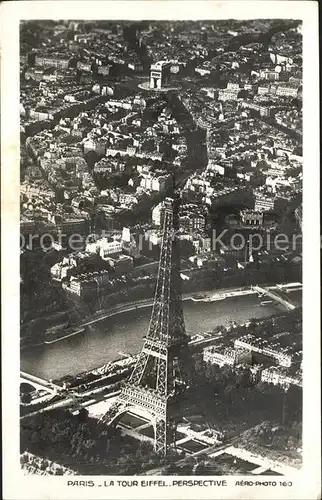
x=160 y=441
x=139 y=368
x=172 y=431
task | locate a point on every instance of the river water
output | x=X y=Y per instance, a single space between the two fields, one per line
x=103 y=341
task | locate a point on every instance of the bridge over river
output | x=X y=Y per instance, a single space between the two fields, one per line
x=39 y=383
x=274 y=295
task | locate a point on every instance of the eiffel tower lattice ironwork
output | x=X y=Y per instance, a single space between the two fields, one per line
x=163 y=368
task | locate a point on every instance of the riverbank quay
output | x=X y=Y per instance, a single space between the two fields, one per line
x=203 y=296
x=130 y=306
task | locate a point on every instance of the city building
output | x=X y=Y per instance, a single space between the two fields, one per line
x=52 y=61
x=192 y=222
x=153 y=237
x=60 y=271
x=206 y=243
x=264 y=202
x=233 y=86
x=268 y=74
x=262 y=109
x=251 y=218
x=226 y=356
x=283 y=355
x=87 y=284
x=121 y=263
x=286 y=91
x=154 y=183
x=97 y=145
x=108 y=247
x=158 y=214
x=256 y=372
x=69 y=224
x=277 y=376
x=228 y=94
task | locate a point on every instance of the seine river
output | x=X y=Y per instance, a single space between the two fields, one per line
x=104 y=341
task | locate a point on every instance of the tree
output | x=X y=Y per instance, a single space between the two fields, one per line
x=172 y=469
x=200 y=366
x=243 y=94
x=292 y=443
x=243 y=377
x=91 y=158
x=279 y=442
x=24 y=459
x=201 y=457
x=35 y=438
x=26 y=398
x=44 y=464
x=201 y=469
x=145 y=447
x=229 y=392
x=83 y=415
x=185 y=469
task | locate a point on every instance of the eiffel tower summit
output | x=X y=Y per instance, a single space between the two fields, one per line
x=163 y=369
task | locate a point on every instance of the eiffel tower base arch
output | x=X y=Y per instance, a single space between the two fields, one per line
x=164 y=429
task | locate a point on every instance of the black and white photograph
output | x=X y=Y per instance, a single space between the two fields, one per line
x=161 y=250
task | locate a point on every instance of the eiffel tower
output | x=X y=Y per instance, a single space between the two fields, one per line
x=162 y=372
